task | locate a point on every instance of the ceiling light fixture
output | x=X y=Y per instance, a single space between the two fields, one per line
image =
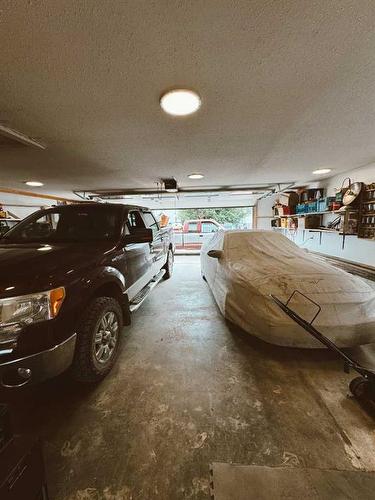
x=34 y=183
x=20 y=137
x=322 y=171
x=45 y=248
x=180 y=102
x=196 y=176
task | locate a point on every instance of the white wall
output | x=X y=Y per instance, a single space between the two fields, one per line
x=355 y=249
x=263 y=212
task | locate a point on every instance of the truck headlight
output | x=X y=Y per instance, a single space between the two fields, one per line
x=17 y=312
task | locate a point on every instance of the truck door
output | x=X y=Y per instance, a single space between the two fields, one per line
x=158 y=252
x=192 y=237
x=138 y=259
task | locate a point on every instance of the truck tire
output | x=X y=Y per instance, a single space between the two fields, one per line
x=169 y=265
x=98 y=340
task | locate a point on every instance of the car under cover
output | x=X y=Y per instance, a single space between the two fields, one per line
x=255 y=264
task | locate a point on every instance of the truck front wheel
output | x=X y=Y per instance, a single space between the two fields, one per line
x=98 y=340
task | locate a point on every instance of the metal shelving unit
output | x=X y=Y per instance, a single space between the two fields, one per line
x=366 y=229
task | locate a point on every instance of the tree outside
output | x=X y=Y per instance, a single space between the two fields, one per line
x=232 y=216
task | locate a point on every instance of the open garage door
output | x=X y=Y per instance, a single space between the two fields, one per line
x=194 y=215
x=194 y=226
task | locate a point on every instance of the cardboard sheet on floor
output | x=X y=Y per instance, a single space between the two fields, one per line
x=256 y=264
x=252 y=482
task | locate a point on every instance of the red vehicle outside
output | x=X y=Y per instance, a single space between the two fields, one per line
x=194 y=233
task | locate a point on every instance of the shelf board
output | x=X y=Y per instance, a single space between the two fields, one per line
x=315 y=230
x=340 y=233
x=304 y=214
x=340 y=212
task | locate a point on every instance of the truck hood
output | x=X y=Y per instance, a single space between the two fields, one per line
x=28 y=268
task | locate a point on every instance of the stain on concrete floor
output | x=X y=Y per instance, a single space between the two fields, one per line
x=190 y=389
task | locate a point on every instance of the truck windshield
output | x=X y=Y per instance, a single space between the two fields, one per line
x=67 y=224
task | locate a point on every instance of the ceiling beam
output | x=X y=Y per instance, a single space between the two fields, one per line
x=20 y=192
x=17 y=136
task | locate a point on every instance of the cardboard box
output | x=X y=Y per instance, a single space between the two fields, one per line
x=309 y=222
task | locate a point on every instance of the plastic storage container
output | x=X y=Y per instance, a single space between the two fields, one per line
x=312 y=206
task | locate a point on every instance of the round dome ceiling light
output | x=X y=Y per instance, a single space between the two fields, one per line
x=180 y=102
x=196 y=176
x=34 y=183
x=322 y=171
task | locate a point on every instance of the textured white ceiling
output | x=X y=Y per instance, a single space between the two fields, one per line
x=288 y=86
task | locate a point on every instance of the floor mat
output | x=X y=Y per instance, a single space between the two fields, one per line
x=247 y=482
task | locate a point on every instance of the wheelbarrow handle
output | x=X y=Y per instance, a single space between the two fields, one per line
x=307 y=298
x=349 y=362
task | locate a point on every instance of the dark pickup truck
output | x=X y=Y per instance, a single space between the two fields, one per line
x=70 y=276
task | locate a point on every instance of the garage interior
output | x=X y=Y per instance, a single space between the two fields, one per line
x=195 y=406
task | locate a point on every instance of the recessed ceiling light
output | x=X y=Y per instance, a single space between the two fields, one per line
x=34 y=183
x=180 y=102
x=322 y=171
x=196 y=176
x=45 y=248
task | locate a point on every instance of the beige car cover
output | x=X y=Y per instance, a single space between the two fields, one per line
x=255 y=264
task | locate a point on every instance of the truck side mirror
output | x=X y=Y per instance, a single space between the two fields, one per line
x=215 y=254
x=139 y=235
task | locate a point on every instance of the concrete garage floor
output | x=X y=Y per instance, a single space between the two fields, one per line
x=188 y=390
